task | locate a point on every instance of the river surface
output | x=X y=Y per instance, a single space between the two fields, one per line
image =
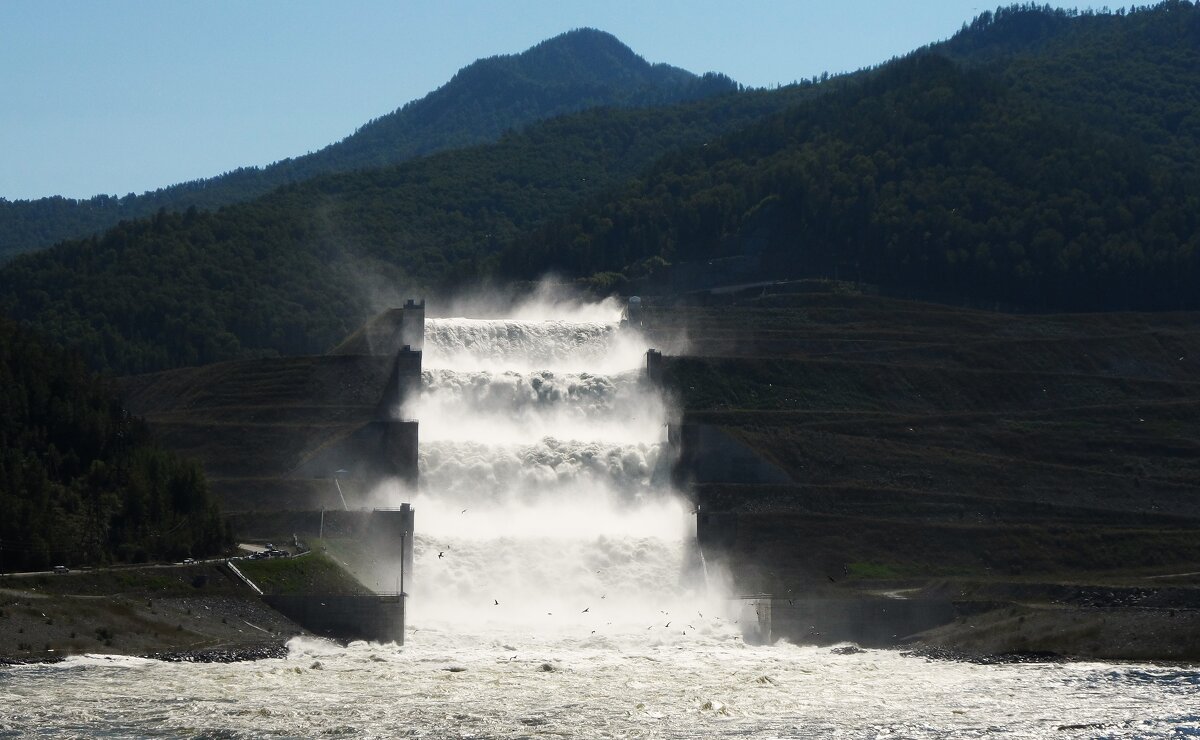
x=638 y=686
x=558 y=592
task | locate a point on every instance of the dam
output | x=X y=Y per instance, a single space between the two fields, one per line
x=544 y=480
x=556 y=593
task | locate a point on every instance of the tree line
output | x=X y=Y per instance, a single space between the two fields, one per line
x=82 y=481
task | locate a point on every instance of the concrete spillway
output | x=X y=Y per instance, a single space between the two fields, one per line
x=544 y=491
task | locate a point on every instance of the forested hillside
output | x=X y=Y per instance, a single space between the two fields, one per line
x=976 y=182
x=80 y=480
x=926 y=180
x=1133 y=74
x=571 y=72
x=297 y=270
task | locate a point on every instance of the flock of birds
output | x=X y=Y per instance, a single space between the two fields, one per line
x=587 y=609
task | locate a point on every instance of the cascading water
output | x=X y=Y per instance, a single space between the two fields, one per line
x=539 y=453
x=544 y=503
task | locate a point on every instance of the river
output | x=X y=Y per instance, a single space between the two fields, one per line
x=558 y=592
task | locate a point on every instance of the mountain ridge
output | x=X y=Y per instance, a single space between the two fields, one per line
x=575 y=70
x=981 y=178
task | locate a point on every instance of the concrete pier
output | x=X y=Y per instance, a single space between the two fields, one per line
x=869 y=621
x=403 y=383
x=654 y=366
x=374 y=617
x=412 y=324
x=390 y=532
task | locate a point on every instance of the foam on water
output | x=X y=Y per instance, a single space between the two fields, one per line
x=523 y=346
x=544 y=505
x=456 y=683
x=602 y=629
x=551 y=471
x=483 y=406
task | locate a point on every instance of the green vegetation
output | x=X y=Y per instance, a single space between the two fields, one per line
x=81 y=481
x=313 y=573
x=296 y=271
x=925 y=180
x=993 y=170
x=577 y=70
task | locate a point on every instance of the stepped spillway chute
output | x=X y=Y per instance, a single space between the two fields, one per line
x=544 y=479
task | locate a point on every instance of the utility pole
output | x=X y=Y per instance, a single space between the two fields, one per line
x=403 y=535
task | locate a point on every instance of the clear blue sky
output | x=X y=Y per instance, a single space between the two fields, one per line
x=118 y=96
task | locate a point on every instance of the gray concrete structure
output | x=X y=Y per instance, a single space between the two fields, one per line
x=869 y=621
x=707 y=454
x=412 y=324
x=378 y=449
x=716 y=531
x=374 y=617
x=654 y=366
x=404 y=381
x=390 y=532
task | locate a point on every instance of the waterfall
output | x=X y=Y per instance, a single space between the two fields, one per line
x=542 y=504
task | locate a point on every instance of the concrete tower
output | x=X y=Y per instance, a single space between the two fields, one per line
x=412 y=324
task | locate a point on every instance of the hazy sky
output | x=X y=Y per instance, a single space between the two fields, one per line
x=119 y=96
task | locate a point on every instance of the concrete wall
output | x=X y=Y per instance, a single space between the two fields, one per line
x=868 y=621
x=378 y=618
x=716 y=531
x=404 y=381
x=412 y=324
x=379 y=449
x=390 y=532
x=654 y=366
x=707 y=454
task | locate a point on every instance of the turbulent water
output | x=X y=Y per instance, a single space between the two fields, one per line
x=544 y=506
x=658 y=685
x=558 y=592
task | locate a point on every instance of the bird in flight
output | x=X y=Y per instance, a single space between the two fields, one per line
x=441 y=554
x=497 y=602
x=585 y=610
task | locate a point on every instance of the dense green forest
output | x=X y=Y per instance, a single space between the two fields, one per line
x=926 y=180
x=994 y=168
x=574 y=71
x=80 y=480
x=297 y=270
x=1133 y=75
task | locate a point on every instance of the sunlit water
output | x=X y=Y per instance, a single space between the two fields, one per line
x=557 y=593
x=456 y=684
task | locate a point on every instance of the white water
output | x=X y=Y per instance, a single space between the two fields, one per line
x=644 y=686
x=543 y=505
x=535 y=499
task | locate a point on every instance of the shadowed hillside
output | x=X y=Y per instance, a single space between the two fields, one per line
x=922 y=440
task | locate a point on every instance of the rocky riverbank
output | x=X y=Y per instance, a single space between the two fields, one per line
x=192 y=613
